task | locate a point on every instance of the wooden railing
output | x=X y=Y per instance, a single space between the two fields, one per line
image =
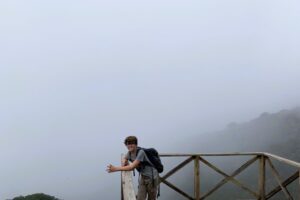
x=264 y=159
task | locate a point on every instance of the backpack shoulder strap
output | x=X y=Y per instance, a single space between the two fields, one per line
x=129 y=154
x=137 y=151
x=130 y=159
x=148 y=161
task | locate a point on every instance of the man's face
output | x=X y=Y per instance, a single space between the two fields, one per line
x=131 y=147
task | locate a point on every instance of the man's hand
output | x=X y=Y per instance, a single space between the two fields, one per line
x=111 y=168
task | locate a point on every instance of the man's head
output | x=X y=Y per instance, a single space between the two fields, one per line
x=131 y=143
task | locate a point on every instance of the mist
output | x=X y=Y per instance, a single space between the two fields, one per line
x=78 y=77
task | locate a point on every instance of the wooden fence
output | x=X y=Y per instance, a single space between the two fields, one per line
x=264 y=159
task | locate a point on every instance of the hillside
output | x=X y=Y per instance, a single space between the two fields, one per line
x=277 y=133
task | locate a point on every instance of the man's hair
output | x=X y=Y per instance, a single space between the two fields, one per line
x=131 y=140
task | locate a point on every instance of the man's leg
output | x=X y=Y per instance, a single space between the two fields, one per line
x=152 y=186
x=142 y=191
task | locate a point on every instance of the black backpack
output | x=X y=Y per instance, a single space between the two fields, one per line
x=153 y=157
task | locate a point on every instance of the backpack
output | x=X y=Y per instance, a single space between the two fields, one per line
x=153 y=157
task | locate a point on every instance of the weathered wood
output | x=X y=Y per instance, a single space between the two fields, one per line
x=127 y=185
x=278 y=179
x=196 y=178
x=284 y=160
x=210 y=154
x=122 y=196
x=229 y=178
x=225 y=180
x=178 y=167
x=177 y=190
x=281 y=159
x=262 y=177
x=285 y=183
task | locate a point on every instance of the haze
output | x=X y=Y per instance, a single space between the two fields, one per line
x=77 y=77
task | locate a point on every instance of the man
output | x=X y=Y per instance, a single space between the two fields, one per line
x=148 y=179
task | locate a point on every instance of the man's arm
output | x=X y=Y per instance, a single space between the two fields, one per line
x=124 y=161
x=111 y=168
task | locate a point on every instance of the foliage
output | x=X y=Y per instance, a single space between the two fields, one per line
x=38 y=196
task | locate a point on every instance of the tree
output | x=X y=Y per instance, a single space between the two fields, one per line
x=38 y=196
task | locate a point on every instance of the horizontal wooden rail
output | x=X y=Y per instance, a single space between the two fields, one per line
x=284 y=160
x=209 y=154
x=279 y=158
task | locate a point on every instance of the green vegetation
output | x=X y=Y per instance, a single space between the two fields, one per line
x=38 y=196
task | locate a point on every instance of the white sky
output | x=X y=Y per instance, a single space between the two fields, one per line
x=76 y=77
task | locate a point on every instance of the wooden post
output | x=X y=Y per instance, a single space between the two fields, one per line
x=262 y=177
x=122 y=197
x=122 y=194
x=196 y=178
x=127 y=185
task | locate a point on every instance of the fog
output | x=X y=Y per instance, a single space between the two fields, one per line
x=77 y=77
